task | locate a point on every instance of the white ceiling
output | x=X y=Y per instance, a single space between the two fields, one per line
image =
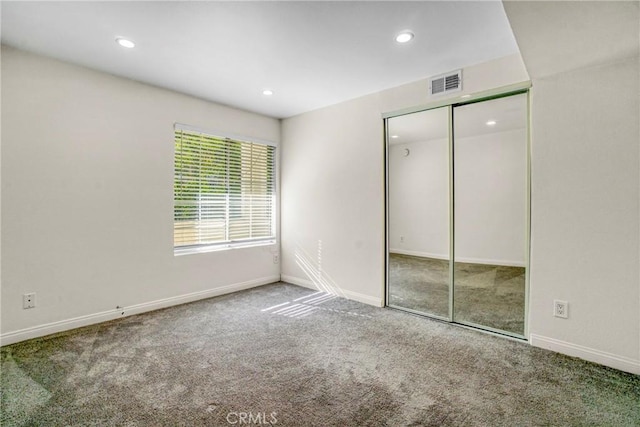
x=311 y=54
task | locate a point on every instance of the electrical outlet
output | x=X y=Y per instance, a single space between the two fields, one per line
x=560 y=309
x=276 y=258
x=29 y=300
x=401 y=239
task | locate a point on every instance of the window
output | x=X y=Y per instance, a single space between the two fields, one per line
x=224 y=191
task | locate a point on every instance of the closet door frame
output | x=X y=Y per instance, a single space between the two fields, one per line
x=451 y=103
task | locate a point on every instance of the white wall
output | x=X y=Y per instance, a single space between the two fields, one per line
x=419 y=198
x=87 y=197
x=585 y=213
x=490 y=198
x=583 y=58
x=332 y=199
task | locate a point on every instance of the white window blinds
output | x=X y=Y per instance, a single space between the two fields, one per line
x=224 y=190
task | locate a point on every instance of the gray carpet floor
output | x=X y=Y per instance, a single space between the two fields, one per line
x=299 y=358
x=486 y=295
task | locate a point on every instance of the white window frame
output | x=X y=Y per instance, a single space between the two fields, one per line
x=232 y=244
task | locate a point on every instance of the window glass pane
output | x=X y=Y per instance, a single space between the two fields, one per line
x=224 y=190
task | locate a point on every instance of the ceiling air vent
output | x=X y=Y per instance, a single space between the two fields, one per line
x=445 y=83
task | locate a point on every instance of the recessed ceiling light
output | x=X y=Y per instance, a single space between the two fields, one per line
x=491 y=123
x=125 y=43
x=394 y=136
x=267 y=92
x=404 y=37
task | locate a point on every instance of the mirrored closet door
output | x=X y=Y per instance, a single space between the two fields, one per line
x=418 y=212
x=457 y=213
x=490 y=199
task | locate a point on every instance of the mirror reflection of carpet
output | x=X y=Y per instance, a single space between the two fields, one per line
x=488 y=295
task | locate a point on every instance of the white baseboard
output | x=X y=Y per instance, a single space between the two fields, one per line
x=506 y=263
x=356 y=296
x=91 y=319
x=419 y=253
x=603 y=358
x=500 y=262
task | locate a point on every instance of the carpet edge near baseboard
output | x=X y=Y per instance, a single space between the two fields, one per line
x=38 y=331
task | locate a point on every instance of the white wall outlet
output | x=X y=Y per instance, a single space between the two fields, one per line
x=276 y=258
x=401 y=239
x=29 y=300
x=560 y=309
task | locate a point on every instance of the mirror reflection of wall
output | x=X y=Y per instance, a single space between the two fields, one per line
x=419 y=194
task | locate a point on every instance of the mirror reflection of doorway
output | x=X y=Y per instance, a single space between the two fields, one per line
x=461 y=196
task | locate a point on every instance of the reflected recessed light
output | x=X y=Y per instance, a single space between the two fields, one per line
x=465 y=96
x=491 y=123
x=267 y=92
x=404 y=37
x=394 y=136
x=125 y=43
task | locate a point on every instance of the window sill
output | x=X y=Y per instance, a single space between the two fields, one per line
x=221 y=247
